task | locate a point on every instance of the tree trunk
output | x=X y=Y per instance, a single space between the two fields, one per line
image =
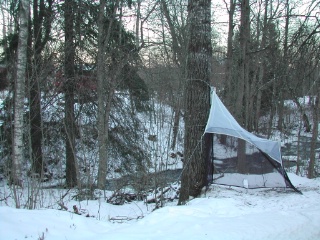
x=283 y=81
x=197 y=97
x=243 y=90
x=102 y=125
x=178 y=43
x=42 y=18
x=241 y=154
x=243 y=87
x=315 y=116
x=175 y=128
x=18 y=143
x=246 y=60
x=71 y=168
x=272 y=109
x=105 y=94
x=229 y=63
x=261 y=69
x=36 y=128
x=138 y=24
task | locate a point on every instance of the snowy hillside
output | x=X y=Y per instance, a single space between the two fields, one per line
x=223 y=213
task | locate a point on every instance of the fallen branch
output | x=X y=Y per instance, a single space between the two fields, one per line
x=119 y=198
x=62 y=206
x=161 y=195
x=124 y=218
x=60 y=202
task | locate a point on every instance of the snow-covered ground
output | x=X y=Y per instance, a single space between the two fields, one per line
x=222 y=213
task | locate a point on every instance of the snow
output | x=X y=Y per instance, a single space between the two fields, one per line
x=303 y=101
x=221 y=213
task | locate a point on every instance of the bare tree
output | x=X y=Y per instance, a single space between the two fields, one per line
x=178 y=47
x=315 y=133
x=102 y=120
x=42 y=18
x=18 y=143
x=194 y=174
x=260 y=66
x=230 y=58
x=105 y=90
x=243 y=62
x=69 y=87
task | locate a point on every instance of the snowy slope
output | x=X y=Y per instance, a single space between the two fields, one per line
x=223 y=213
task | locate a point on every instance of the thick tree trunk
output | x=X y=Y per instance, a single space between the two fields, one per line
x=197 y=95
x=243 y=88
x=71 y=167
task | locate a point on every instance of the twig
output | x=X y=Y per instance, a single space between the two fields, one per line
x=5 y=198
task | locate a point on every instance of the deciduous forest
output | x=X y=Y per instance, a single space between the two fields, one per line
x=110 y=94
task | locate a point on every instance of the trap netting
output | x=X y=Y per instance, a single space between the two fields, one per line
x=237 y=162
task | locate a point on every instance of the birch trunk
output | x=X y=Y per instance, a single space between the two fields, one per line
x=18 y=143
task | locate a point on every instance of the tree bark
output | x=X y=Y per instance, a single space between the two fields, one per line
x=102 y=125
x=197 y=97
x=241 y=154
x=243 y=91
x=42 y=18
x=243 y=62
x=261 y=68
x=71 y=167
x=138 y=24
x=229 y=63
x=18 y=143
x=36 y=128
x=283 y=81
x=105 y=93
